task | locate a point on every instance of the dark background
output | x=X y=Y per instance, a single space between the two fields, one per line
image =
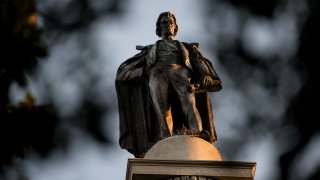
x=29 y=127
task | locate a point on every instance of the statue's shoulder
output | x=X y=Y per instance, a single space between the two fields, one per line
x=147 y=47
x=137 y=58
x=193 y=44
x=143 y=50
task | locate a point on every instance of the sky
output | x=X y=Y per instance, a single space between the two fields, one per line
x=83 y=64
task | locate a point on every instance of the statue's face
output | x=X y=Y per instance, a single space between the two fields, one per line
x=168 y=26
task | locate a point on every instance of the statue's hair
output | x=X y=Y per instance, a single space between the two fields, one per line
x=168 y=14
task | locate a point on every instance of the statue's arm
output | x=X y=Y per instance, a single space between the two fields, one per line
x=208 y=80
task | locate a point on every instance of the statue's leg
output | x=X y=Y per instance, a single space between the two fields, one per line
x=180 y=80
x=159 y=92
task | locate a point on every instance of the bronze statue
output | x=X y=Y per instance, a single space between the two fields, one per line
x=163 y=89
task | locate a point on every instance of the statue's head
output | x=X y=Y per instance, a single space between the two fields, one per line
x=166 y=25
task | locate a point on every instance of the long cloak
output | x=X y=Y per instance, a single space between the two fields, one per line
x=138 y=123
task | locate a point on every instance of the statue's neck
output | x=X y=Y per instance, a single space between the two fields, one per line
x=170 y=38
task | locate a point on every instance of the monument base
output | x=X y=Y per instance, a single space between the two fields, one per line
x=186 y=158
x=147 y=169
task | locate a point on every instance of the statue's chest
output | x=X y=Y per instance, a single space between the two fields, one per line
x=168 y=52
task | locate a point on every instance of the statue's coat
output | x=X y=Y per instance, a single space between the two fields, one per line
x=138 y=123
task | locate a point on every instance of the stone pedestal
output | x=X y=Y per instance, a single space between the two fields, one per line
x=187 y=158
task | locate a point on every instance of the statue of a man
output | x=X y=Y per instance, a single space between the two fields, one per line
x=163 y=90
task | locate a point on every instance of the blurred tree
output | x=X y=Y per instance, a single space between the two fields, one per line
x=303 y=110
x=263 y=7
x=74 y=16
x=20 y=43
x=240 y=65
x=30 y=127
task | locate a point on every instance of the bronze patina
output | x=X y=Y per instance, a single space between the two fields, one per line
x=162 y=91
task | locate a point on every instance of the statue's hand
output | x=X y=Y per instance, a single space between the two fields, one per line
x=193 y=88
x=206 y=84
x=206 y=81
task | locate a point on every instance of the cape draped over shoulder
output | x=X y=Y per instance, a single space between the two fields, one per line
x=138 y=121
